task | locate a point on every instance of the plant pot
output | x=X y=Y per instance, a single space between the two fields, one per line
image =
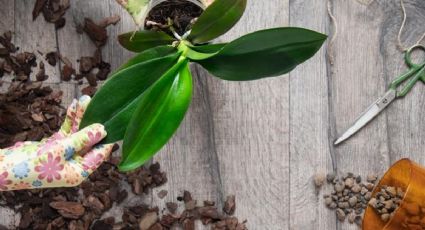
x=201 y=3
x=410 y=177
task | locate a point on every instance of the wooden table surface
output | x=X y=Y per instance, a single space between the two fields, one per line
x=263 y=141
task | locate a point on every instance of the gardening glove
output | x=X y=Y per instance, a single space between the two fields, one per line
x=62 y=160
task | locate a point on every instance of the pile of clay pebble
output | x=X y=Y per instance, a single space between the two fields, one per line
x=349 y=196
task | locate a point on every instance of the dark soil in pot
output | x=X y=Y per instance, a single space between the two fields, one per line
x=180 y=13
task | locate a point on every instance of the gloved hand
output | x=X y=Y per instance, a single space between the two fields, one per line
x=63 y=160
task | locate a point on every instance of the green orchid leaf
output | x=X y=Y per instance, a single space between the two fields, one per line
x=157 y=117
x=264 y=53
x=153 y=53
x=114 y=104
x=216 y=20
x=145 y=39
x=193 y=54
x=197 y=53
x=209 y=48
x=196 y=56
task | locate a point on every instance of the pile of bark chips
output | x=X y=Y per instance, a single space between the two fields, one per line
x=30 y=111
x=85 y=206
x=91 y=69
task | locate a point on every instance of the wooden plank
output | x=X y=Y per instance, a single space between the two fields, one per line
x=309 y=128
x=8 y=218
x=264 y=140
x=188 y=158
x=119 y=55
x=74 y=45
x=7 y=23
x=35 y=36
x=356 y=83
x=251 y=131
x=7 y=11
x=406 y=134
x=116 y=56
x=68 y=90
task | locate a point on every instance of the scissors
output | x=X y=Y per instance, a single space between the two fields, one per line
x=415 y=73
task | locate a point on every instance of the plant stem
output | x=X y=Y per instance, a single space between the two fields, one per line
x=184 y=48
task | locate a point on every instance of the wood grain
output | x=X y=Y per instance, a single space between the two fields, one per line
x=118 y=54
x=73 y=45
x=310 y=151
x=250 y=130
x=356 y=83
x=8 y=218
x=406 y=136
x=7 y=10
x=189 y=158
x=263 y=141
x=36 y=36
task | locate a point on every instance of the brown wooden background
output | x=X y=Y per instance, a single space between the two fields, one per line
x=264 y=140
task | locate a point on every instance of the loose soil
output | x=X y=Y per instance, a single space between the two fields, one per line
x=180 y=14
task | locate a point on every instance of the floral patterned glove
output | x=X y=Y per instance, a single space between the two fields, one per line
x=63 y=160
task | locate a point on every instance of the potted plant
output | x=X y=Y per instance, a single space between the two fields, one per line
x=145 y=100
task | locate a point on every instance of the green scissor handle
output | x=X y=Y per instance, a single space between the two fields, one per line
x=423 y=78
x=416 y=73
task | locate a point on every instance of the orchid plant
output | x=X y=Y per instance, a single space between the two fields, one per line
x=145 y=100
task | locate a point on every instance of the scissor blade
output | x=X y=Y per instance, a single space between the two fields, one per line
x=368 y=115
